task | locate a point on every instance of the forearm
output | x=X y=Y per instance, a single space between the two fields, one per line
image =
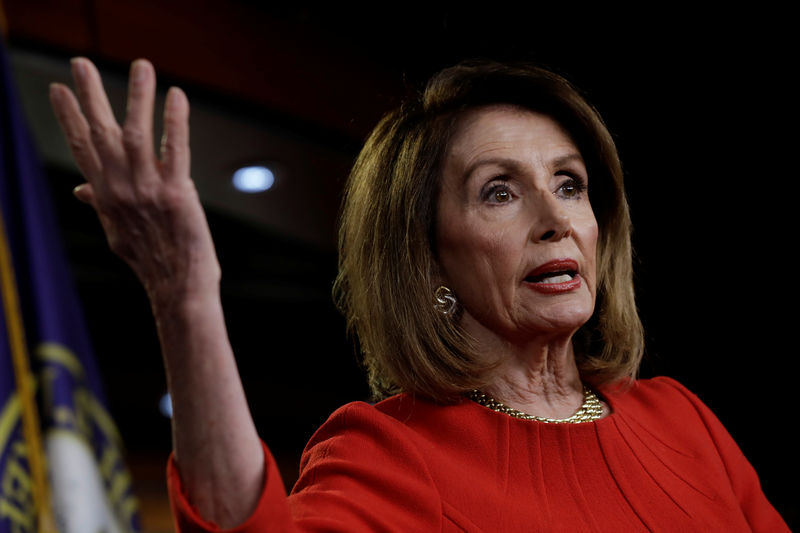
x=216 y=445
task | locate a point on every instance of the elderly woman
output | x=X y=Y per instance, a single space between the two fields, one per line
x=485 y=267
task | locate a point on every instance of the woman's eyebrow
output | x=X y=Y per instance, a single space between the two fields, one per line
x=505 y=162
x=514 y=165
x=566 y=159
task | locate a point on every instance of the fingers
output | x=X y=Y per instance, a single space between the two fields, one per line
x=116 y=158
x=76 y=130
x=104 y=130
x=175 y=143
x=137 y=132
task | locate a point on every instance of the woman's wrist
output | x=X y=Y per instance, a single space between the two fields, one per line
x=168 y=299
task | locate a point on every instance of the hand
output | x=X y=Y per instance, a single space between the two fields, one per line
x=149 y=208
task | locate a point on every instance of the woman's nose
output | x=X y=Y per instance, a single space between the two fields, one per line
x=551 y=222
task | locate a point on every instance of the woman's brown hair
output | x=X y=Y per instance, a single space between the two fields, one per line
x=387 y=251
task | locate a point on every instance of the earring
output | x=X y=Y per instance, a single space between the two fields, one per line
x=444 y=300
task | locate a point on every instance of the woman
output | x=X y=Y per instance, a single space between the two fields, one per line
x=493 y=304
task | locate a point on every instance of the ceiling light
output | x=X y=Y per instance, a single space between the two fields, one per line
x=253 y=179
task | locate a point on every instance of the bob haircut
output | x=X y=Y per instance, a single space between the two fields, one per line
x=388 y=266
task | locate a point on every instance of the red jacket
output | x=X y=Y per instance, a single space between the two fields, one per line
x=660 y=462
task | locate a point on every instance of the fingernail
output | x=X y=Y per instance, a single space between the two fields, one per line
x=82 y=193
x=78 y=67
x=172 y=95
x=76 y=63
x=138 y=71
x=76 y=192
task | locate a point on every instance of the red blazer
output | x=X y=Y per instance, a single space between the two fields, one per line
x=660 y=462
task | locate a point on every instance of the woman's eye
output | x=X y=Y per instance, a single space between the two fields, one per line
x=501 y=195
x=571 y=188
x=497 y=192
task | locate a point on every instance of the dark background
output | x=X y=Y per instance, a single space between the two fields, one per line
x=698 y=101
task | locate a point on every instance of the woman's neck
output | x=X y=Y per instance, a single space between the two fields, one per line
x=537 y=377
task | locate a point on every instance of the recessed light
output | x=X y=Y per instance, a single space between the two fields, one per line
x=253 y=179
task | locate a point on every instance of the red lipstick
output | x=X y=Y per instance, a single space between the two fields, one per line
x=560 y=275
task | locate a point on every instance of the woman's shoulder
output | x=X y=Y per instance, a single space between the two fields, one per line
x=400 y=412
x=360 y=418
x=359 y=434
x=401 y=421
x=663 y=405
x=651 y=393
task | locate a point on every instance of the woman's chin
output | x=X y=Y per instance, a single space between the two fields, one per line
x=561 y=318
x=554 y=326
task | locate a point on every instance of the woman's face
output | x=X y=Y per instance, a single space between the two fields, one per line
x=516 y=234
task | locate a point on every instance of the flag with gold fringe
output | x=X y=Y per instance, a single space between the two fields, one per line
x=61 y=461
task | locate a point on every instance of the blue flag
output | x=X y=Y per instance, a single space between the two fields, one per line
x=60 y=453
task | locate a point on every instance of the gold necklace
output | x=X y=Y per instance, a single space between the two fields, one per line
x=590 y=411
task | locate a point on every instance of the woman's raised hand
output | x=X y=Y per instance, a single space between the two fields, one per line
x=148 y=205
x=152 y=217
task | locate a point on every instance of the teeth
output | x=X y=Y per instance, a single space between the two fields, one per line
x=561 y=278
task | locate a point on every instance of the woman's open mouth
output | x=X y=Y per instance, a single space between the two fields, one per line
x=560 y=275
x=553 y=277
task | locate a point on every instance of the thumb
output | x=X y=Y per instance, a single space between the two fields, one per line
x=85 y=193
